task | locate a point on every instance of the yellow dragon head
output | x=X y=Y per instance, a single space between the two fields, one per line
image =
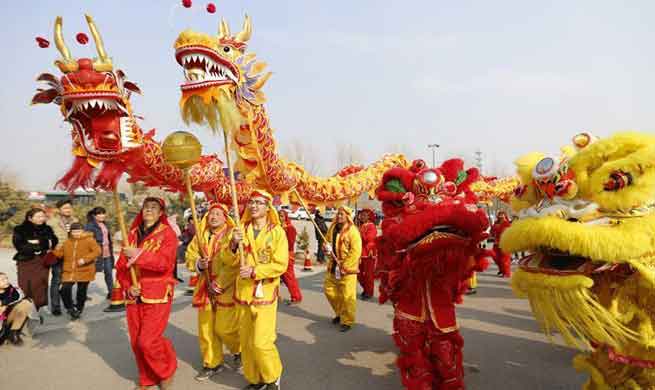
x=588 y=220
x=221 y=79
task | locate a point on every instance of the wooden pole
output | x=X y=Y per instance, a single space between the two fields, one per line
x=198 y=237
x=311 y=218
x=121 y=223
x=233 y=189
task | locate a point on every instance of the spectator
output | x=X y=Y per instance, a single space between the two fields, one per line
x=320 y=222
x=105 y=262
x=79 y=252
x=32 y=240
x=14 y=310
x=60 y=224
x=184 y=241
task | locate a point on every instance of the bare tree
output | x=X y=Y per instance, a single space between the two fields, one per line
x=9 y=176
x=403 y=149
x=348 y=154
x=303 y=154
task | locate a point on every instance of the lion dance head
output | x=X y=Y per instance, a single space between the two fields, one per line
x=587 y=218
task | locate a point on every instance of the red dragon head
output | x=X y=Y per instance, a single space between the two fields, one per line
x=94 y=99
x=432 y=218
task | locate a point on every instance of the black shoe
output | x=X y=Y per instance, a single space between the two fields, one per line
x=236 y=361
x=207 y=373
x=14 y=338
x=114 y=308
x=272 y=386
x=345 y=328
x=365 y=297
x=258 y=386
x=56 y=312
x=89 y=298
x=108 y=296
x=471 y=291
x=180 y=280
x=336 y=320
x=75 y=314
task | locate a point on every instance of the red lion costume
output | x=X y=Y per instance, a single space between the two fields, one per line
x=428 y=249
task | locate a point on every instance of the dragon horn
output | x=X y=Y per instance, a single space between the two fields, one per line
x=68 y=64
x=246 y=32
x=223 y=29
x=103 y=63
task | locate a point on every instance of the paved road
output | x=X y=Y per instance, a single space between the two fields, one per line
x=504 y=349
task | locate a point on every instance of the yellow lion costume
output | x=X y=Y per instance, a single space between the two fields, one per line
x=588 y=220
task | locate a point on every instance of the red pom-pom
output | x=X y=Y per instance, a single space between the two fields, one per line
x=42 y=42
x=211 y=8
x=186 y=3
x=82 y=38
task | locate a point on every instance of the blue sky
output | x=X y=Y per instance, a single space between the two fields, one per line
x=505 y=77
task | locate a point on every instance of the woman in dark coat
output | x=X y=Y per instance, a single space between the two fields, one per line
x=32 y=240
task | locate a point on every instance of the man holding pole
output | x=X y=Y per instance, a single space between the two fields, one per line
x=343 y=248
x=151 y=250
x=218 y=319
x=257 y=289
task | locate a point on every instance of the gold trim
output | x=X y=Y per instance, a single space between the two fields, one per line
x=434 y=320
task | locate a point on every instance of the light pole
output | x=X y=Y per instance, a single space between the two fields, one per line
x=434 y=153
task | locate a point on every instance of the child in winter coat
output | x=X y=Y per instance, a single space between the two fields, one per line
x=79 y=252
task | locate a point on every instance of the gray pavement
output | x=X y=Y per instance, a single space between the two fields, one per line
x=504 y=348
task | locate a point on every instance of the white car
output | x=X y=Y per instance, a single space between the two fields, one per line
x=299 y=214
x=330 y=214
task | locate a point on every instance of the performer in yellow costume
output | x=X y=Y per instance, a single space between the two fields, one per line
x=257 y=290
x=341 y=279
x=218 y=318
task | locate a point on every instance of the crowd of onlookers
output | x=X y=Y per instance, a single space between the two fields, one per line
x=54 y=255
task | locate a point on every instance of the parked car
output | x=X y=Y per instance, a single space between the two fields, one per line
x=299 y=214
x=329 y=214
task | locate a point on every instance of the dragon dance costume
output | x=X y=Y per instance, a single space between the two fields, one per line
x=340 y=284
x=367 y=264
x=147 y=315
x=218 y=321
x=502 y=259
x=257 y=296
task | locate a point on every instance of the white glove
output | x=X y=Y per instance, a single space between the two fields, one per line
x=327 y=248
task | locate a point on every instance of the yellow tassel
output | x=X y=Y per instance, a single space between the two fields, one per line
x=566 y=304
x=597 y=382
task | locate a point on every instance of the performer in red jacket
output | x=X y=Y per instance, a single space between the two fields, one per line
x=152 y=249
x=368 y=232
x=502 y=259
x=289 y=277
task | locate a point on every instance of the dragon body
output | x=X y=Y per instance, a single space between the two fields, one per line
x=222 y=89
x=588 y=220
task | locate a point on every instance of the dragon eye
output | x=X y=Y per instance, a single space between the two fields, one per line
x=226 y=49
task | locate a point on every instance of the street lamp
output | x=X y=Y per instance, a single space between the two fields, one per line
x=434 y=153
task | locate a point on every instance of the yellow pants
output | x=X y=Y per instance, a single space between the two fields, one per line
x=342 y=295
x=260 y=358
x=215 y=329
x=473 y=281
